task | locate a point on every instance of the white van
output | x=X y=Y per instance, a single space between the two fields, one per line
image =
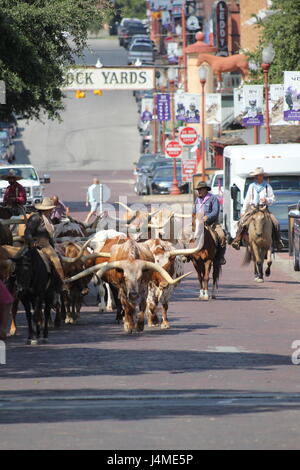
x=280 y=161
x=30 y=181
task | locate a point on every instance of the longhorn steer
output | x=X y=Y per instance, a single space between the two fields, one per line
x=160 y=292
x=129 y=269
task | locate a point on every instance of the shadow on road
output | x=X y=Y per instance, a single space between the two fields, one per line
x=98 y=405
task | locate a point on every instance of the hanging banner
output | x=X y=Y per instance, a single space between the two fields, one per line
x=112 y=78
x=277 y=105
x=213 y=105
x=253 y=105
x=163 y=107
x=222 y=28
x=292 y=96
x=172 y=52
x=160 y=5
x=147 y=109
x=187 y=107
x=238 y=96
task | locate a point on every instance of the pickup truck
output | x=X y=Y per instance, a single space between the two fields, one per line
x=30 y=181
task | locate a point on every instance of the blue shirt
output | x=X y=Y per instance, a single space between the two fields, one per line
x=210 y=208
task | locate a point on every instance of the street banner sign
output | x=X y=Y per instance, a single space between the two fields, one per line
x=2 y=92
x=188 y=169
x=238 y=96
x=213 y=106
x=187 y=107
x=188 y=136
x=113 y=78
x=147 y=109
x=163 y=107
x=173 y=149
x=276 y=106
x=292 y=96
x=222 y=27
x=253 y=105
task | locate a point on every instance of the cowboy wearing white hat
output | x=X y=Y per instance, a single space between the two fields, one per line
x=40 y=231
x=15 y=194
x=259 y=193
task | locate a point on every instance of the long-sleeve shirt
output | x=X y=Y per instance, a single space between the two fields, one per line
x=253 y=197
x=59 y=211
x=208 y=206
x=36 y=227
x=17 y=191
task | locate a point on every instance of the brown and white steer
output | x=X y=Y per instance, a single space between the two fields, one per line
x=129 y=269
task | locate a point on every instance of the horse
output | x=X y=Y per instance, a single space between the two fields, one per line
x=37 y=285
x=220 y=65
x=259 y=244
x=203 y=261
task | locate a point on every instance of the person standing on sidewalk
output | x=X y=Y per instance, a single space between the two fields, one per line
x=91 y=200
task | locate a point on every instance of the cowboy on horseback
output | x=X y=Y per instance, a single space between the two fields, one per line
x=15 y=194
x=260 y=193
x=208 y=205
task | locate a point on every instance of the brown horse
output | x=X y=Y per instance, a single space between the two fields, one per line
x=259 y=246
x=220 y=65
x=203 y=261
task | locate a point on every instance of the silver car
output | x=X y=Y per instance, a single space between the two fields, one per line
x=142 y=51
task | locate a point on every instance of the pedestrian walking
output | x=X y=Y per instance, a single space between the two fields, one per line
x=91 y=199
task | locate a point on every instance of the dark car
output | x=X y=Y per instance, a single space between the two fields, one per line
x=7 y=147
x=143 y=164
x=162 y=180
x=132 y=30
x=144 y=180
x=280 y=209
x=9 y=123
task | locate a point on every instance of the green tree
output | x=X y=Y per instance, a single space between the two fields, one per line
x=34 y=50
x=131 y=8
x=282 y=29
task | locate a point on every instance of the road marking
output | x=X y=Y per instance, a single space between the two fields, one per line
x=227 y=349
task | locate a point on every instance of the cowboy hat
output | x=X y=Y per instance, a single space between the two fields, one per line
x=258 y=171
x=11 y=174
x=202 y=185
x=45 y=205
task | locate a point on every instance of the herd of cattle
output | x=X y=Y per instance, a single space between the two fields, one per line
x=136 y=261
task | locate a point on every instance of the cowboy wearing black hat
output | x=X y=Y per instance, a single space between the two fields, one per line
x=208 y=206
x=15 y=194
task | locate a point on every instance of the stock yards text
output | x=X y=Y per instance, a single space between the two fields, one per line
x=150 y=461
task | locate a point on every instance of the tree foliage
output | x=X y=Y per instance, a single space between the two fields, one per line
x=131 y=8
x=34 y=49
x=282 y=29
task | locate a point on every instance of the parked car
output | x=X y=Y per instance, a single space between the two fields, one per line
x=7 y=147
x=142 y=51
x=280 y=209
x=144 y=162
x=129 y=27
x=145 y=176
x=140 y=38
x=162 y=180
x=9 y=123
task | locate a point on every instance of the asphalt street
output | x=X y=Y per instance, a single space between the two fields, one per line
x=222 y=377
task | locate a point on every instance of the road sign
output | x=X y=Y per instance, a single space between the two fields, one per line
x=189 y=168
x=188 y=136
x=173 y=149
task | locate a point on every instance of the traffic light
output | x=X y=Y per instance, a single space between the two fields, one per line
x=79 y=94
x=98 y=92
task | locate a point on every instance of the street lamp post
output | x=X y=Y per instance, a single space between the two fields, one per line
x=268 y=55
x=171 y=77
x=203 y=78
x=183 y=19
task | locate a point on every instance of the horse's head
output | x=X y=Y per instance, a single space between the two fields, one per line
x=258 y=219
